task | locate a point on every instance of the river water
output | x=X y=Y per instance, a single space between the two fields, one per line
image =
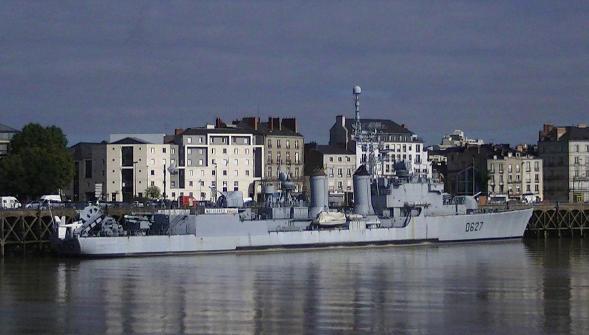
x=529 y=287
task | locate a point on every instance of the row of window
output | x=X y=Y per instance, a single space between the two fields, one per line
x=510 y=167
x=395 y=148
x=288 y=170
x=279 y=143
x=221 y=140
x=501 y=188
x=517 y=178
x=279 y=158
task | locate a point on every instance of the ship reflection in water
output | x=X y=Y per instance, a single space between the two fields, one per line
x=483 y=288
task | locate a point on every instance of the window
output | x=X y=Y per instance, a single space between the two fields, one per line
x=236 y=161
x=537 y=188
x=191 y=173
x=247 y=172
x=339 y=172
x=189 y=151
x=152 y=150
x=269 y=172
x=288 y=144
x=152 y=162
x=224 y=172
x=235 y=173
x=347 y=158
x=269 y=143
x=189 y=140
x=296 y=144
x=296 y=158
x=224 y=150
x=164 y=161
x=225 y=162
x=331 y=159
x=331 y=172
x=213 y=151
x=153 y=172
x=339 y=159
x=152 y=183
x=173 y=183
x=164 y=150
x=247 y=151
x=190 y=183
x=200 y=162
x=213 y=172
x=247 y=162
x=88 y=168
x=189 y=162
x=173 y=151
x=278 y=144
x=200 y=140
x=236 y=151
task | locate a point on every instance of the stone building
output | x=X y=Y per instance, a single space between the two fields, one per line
x=565 y=156
x=283 y=148
x=339 y=164
x=517 y=176
x=392 y=143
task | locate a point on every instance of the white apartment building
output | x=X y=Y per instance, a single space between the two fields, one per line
x=133 y=165
x=392 y=143
x=518 y=177
x=214 y=158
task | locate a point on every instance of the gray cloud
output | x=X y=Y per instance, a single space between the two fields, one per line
x=496 y=69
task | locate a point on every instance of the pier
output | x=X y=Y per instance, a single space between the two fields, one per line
x=31 y=229
x=559 y=220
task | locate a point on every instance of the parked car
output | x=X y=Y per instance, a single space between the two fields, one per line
x=9 y=202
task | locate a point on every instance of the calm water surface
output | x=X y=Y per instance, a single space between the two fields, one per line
x=530 y=287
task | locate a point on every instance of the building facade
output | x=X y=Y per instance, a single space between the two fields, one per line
x=339 y=164
x=565 y=156
x=6 y=134
x=89 y=183
x=518 y=177
x=133 y=165
x=390 y=143
x=215 y=158
x=283 y=148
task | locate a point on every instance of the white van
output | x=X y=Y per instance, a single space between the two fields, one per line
x=9 y=202
x=51 y=198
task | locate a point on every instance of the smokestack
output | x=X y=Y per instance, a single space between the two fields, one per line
x=290 y=124
x=178 y=131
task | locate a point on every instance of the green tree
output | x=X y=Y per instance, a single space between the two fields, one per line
x=152 y=192
x=38 y=162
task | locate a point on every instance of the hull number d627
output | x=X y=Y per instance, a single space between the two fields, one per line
x=474 y=226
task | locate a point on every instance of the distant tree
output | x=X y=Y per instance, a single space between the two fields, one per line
x=38 y=162
x=152 y=192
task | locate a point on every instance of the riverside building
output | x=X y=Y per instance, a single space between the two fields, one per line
x=565 y=155
x=215 y=158
x=515 y=176
x=391 y=143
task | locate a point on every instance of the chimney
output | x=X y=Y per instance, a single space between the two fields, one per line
x=219 y=123
x=290 y=124
x=341 y=120
x=274 y=123
x=178 y=131
x=252 y=122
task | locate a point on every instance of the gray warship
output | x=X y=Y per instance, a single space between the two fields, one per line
x=405 y=209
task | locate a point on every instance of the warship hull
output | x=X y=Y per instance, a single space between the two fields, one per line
x=226 y=233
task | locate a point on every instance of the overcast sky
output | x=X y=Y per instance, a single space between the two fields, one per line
x=497 y=69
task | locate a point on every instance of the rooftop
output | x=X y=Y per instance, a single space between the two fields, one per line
x=380 y=125
x=130 y=140
x=7 y=129
x=333 y=150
